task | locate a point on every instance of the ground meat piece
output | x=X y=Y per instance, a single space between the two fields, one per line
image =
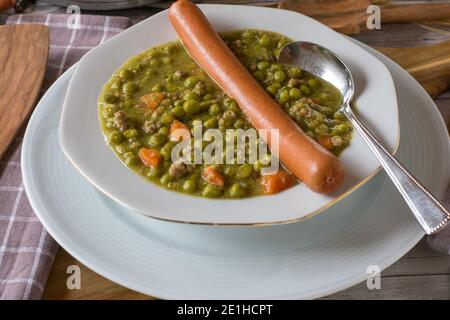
x=229 y=114
x=298 y=111
x=199 y=89
x=336 y=141
x=179 y=74
x=151 y=126
x=294 y=83
x=120 y=121
x=177 y=170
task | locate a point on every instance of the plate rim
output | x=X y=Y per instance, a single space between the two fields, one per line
x=156 y=215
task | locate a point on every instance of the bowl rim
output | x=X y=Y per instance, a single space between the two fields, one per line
x=149 y=214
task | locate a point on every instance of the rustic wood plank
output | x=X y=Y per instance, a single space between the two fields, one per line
x=23 y=61
x=436 y=287
x=93 y=286
x=429 y=65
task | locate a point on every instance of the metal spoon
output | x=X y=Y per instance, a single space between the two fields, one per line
x=319 y=61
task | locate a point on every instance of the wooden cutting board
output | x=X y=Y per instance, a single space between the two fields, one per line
x=429 y=65
x=23 y=57
x=349 y=16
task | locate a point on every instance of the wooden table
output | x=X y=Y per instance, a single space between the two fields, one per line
x=420 y=274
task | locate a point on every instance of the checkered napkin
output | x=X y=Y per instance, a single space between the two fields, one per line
x=26 y=249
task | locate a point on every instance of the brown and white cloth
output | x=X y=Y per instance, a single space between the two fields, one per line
x=26 y=249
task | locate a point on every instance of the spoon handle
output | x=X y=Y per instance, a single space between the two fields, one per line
x=432 y=216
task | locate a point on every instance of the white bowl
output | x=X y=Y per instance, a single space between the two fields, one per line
x=83 y=143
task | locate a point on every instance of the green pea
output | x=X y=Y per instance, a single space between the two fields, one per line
x=208 y=97
x=131 y=161
x=153 y=172
x=225 y=123
x=166 y=118
x=157 y=88
x=122 y=148
x=343 y=128
x=211 y=191
x=178 y=103
x=244 y=171
x=237 y=191
x=190 y=82
x=155 y=63
x=172 y=87
x=108 y=111
x=259 y=75
x=117 y=84
x=326 y=111
x=126 y=74
x=284 y=96
x=321 y=130
x=239 y=124
x=166 y=150
x=177 y=111
x=190 y=185
x=135 y=145
x=264 y=40
x=211 y=123
x=294 y=72
x=295 y=93
x=135 y=67
x=164 y=131
x=130 y=133
x=229 y=170
x=166 y=60
x=272 y=89
x=165 y=179
x=191 y=107
x=324 y=96
x=312 y=124
x=109 y=98
x=128 y=154
x=204 y=105
x=305 y=90
x=248 y=34
x=279 y=76
x=263 y=66
x=339 y=116
x=314 y=83
x=190 y=96
x=215 y=109
x=128 y=103
x=156 y=140
x=115 y=136
x=228 y=101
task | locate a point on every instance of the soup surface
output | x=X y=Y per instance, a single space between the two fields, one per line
x=156 y=99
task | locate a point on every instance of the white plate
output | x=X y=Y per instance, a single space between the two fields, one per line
x=313 y=258
x=83 y=143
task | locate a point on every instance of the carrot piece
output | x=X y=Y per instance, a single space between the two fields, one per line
x=277 y=182
x=179 y=130
x=212 y=176
x=152 y=100
x=325 y=141
x=150 y=157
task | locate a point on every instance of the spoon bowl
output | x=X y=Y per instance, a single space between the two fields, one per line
x=322 y=62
